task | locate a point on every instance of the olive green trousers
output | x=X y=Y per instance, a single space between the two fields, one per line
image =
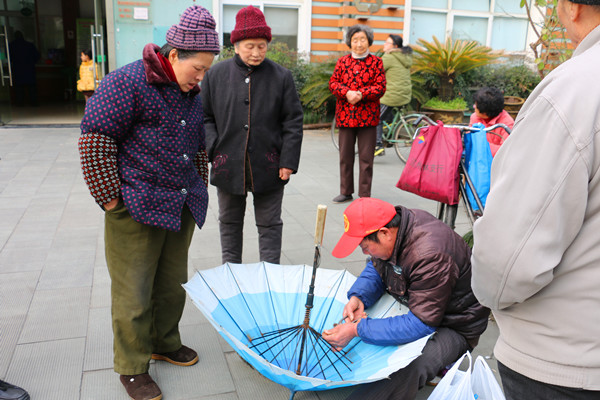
x=147 y=266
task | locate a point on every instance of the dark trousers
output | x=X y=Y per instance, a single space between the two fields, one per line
x=267 y=213
x=366 y=147
x=518 y=387
x=386 y=113
x=147 y=266
x=443 y=348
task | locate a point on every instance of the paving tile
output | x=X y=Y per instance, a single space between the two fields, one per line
x=209 y=376
x=99 y=342
x=66 y=269
x=49 y=370
x=57 y=314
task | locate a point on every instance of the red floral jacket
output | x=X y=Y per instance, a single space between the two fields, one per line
x=365 y=75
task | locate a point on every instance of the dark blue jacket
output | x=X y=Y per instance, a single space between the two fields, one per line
x=158 y=129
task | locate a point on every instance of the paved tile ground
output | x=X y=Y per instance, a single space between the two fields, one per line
x=55 y=330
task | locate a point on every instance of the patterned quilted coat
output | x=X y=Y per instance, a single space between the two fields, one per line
x=365 y=75
x=143 y=139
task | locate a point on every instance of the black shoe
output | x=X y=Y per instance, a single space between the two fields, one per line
x=379 y=151
x=342 y=198
x=12 y=392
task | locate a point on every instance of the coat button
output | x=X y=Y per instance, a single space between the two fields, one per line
x=182 y=122
x=246 y=127
x=246 y=101
x=185 y=157
x=247 y=80
x=184 y=191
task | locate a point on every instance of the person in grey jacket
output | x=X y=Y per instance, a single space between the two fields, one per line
x=536 y=260
x=253 y=120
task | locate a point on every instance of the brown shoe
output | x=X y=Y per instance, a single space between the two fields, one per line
x=141 y=387
x=183 y=357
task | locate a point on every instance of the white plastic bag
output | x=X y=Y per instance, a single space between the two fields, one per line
x=484 y=383
x=456 y=384
x=476 y=383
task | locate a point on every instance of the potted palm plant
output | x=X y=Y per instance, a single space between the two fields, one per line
x=446 y=61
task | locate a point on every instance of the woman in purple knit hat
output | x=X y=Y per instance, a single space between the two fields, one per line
x=143 y=157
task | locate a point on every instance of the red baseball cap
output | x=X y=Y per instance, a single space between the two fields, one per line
x=362 y=217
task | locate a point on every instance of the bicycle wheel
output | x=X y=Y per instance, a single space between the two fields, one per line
x=335 y=135
x=405 y=130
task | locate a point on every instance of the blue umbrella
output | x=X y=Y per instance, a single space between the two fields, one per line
x=245 y=302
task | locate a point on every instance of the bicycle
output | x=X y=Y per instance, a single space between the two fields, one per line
x=398 y=133
x=446 y=212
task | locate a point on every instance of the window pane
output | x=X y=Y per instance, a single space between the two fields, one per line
x=426 y=25
x=284 y=25
x=509 y=34
x=469 y=28
x=430 y=3
x=509 y=7
x=479 y=5
x=229 y=12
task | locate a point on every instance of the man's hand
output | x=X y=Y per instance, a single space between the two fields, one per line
x=354 y=309
x=111 y=204
x=284 y=173
x=340 y=335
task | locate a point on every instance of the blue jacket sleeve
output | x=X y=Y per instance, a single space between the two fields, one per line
x=393 y=331
x=368 y=286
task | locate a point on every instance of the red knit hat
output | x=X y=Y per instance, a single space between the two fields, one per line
x=250 y=23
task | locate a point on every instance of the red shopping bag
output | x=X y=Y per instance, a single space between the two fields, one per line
x=431 y=170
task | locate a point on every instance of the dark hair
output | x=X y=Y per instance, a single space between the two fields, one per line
x=354 y=29
x=394 y=223
x=182 y=54
x=489 y=101
x=397 y=39
x=87 y=52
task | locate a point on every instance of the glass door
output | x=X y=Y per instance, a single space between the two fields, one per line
x=5 y=76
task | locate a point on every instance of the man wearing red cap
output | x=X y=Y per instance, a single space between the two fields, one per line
x=253 y=120
x=425 y=265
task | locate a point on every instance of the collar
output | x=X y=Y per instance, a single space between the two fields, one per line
x=591 y=39
x=250 y=68
x=360 y=56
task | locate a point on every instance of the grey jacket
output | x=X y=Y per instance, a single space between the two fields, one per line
x=536 y=260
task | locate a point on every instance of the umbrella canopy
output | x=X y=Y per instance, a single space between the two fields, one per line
x=245 y=301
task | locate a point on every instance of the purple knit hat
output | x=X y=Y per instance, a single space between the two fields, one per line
x=250 y=23
x=196 y=31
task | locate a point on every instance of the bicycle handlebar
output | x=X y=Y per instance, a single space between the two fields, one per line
x=465 y=128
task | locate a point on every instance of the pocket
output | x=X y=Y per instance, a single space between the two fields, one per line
x=120 y=207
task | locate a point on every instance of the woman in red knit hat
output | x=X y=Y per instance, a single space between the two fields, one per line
x=253 y=119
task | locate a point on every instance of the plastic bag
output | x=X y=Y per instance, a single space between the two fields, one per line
x=483 y=382
x=431 y=170
x=478 y=161
x=477 y=382
x=456 y=384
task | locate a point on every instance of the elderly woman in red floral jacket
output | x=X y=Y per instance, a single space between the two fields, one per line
x=358 y=82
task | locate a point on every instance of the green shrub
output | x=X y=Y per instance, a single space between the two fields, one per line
x=456 y=103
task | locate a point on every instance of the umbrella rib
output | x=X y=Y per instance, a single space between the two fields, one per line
x=331 y=299
x=244 y=298
x=326 y=351
x=223 y=305
x=271 y=296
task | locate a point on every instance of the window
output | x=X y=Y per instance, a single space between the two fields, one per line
x=499 y=24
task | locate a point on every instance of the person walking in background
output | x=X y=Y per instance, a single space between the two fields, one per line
x=423 y=264
x=24 y=55
x=86 y=83
x=489 y=110
x=536 y=259
x=143 y=157
x=397 y=60
x=358 y=82
x=253 y=120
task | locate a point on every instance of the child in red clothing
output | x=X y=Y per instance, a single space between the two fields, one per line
x=489 y=110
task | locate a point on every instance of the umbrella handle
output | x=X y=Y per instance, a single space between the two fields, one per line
x=320 y=225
